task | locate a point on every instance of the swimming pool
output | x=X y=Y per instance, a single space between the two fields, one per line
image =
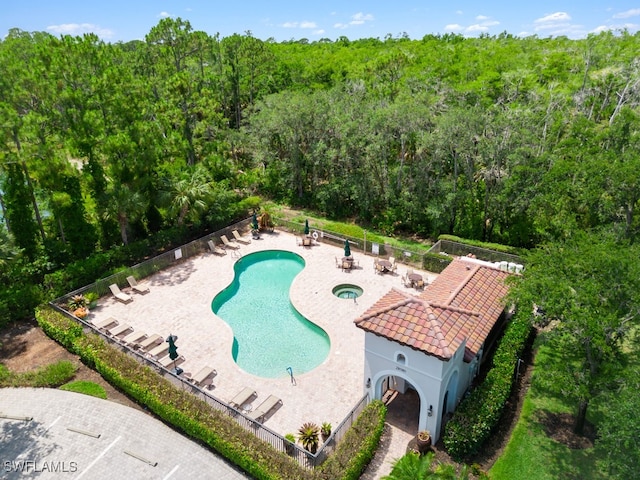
x=269 y=335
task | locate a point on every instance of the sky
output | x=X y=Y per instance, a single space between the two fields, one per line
x=120 y=20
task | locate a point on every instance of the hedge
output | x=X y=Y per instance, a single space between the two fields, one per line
x=204 y=423
x=479 y=413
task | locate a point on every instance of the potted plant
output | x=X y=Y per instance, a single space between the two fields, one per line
x=309 y=434
x=92 y=300
x=325 y=431
x=76 y=302
x=423 y=440
x=289 y=442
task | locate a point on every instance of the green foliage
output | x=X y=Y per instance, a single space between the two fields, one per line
x=357 y=447
x=498 y=247
x=48 y=376
x=477 y=415
x=309 y=434
x=86 y=388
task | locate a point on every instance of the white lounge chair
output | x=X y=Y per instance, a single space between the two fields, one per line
x=106 y=322
x=134 y=338
x=242 y=397
x=119 y=294
x=119 y=329
x=135 y=286
x=159 y=350
x=228 y=243
x=239 y=238
x=203 y=374
x=265 y=407
x=215 y=249
x=150 y=342
x=168 y=362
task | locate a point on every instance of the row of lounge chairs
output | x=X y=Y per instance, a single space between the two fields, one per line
x=233 y=244
x=135 y=286
x=261 y=411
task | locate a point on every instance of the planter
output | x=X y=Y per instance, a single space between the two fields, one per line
x=423 y=441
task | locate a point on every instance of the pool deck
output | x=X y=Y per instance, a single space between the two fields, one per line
x=179 y=302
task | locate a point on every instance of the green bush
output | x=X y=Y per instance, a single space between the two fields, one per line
x=498 y=247
x=479 y=413
x=435 y=262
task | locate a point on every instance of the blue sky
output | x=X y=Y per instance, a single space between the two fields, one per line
x=119 y=20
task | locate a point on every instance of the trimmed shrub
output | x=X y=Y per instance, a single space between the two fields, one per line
x=479 y=413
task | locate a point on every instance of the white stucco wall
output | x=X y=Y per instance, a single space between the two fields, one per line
x=428 y=375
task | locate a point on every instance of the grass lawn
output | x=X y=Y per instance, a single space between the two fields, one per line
x=87 y=388
x=531 y=454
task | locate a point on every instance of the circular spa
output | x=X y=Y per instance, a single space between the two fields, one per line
x=269 y=334
x=347 y=291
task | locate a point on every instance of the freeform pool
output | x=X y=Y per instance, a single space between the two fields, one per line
x=269 y=334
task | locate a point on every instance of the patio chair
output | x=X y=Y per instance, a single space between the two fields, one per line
x=119 y=329
x=242 y=397
x=119 y=294
x=159 y=350
x=239 y=238
x=229 y=243
x=134 y=338
x=215 y=249
x=104 y=323
x=265 y=408
x=150 y=342
x=135 y=286
x=204 y=374
x=167 y=362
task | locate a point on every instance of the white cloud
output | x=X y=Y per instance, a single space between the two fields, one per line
x=360 y=18
x=553 y=18
x=303 y=24
x=453 y=27
x=76 y=29
x=476 y=28
x=459 y=12
x=341 y=26
x=306 y=24
x=164 y=15
x=318 y=32
x=634 y=12
x=482 y=17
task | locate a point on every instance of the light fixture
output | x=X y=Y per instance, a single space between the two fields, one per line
x=368 y=383
x=430 y=411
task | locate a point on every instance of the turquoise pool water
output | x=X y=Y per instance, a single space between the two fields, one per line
x=269 y=334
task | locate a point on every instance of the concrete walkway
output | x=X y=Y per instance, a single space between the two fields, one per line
x=77 y=436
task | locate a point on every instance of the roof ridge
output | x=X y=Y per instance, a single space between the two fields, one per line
x=454 y=308
x=473 y=271
x=407 y=299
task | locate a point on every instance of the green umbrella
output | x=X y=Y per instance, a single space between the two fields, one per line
x=173 y=349
x=254 y=222
x=347 y=249
x=306 y=227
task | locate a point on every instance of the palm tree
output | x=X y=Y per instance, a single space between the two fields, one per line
x=188 y=193
x=123 y=205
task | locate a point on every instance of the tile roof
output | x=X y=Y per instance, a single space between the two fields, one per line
x=462 y=304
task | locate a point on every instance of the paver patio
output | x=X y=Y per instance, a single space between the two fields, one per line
x=179 y=302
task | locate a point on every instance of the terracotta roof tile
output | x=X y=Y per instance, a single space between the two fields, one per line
x=462 y=304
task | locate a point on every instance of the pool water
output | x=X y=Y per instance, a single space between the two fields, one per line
x=269 y=335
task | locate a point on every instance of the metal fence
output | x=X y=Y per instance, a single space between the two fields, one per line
x=165 y=260
x=462 y=249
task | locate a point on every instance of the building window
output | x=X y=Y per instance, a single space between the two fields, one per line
x=401 y=359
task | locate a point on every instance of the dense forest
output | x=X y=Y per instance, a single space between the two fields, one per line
x=530 y=142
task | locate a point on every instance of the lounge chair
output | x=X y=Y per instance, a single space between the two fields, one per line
x=215 y=249
x=167 y=362
x=242 y=397
x=228 y=243
x=134 y=338
x=265 y=408
x=159 y=350
x=119 y=329
x=239 y=238
x=150 y=342
x=119 y=294
x=135 y=286
x=203 y=374
x=104 y=323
